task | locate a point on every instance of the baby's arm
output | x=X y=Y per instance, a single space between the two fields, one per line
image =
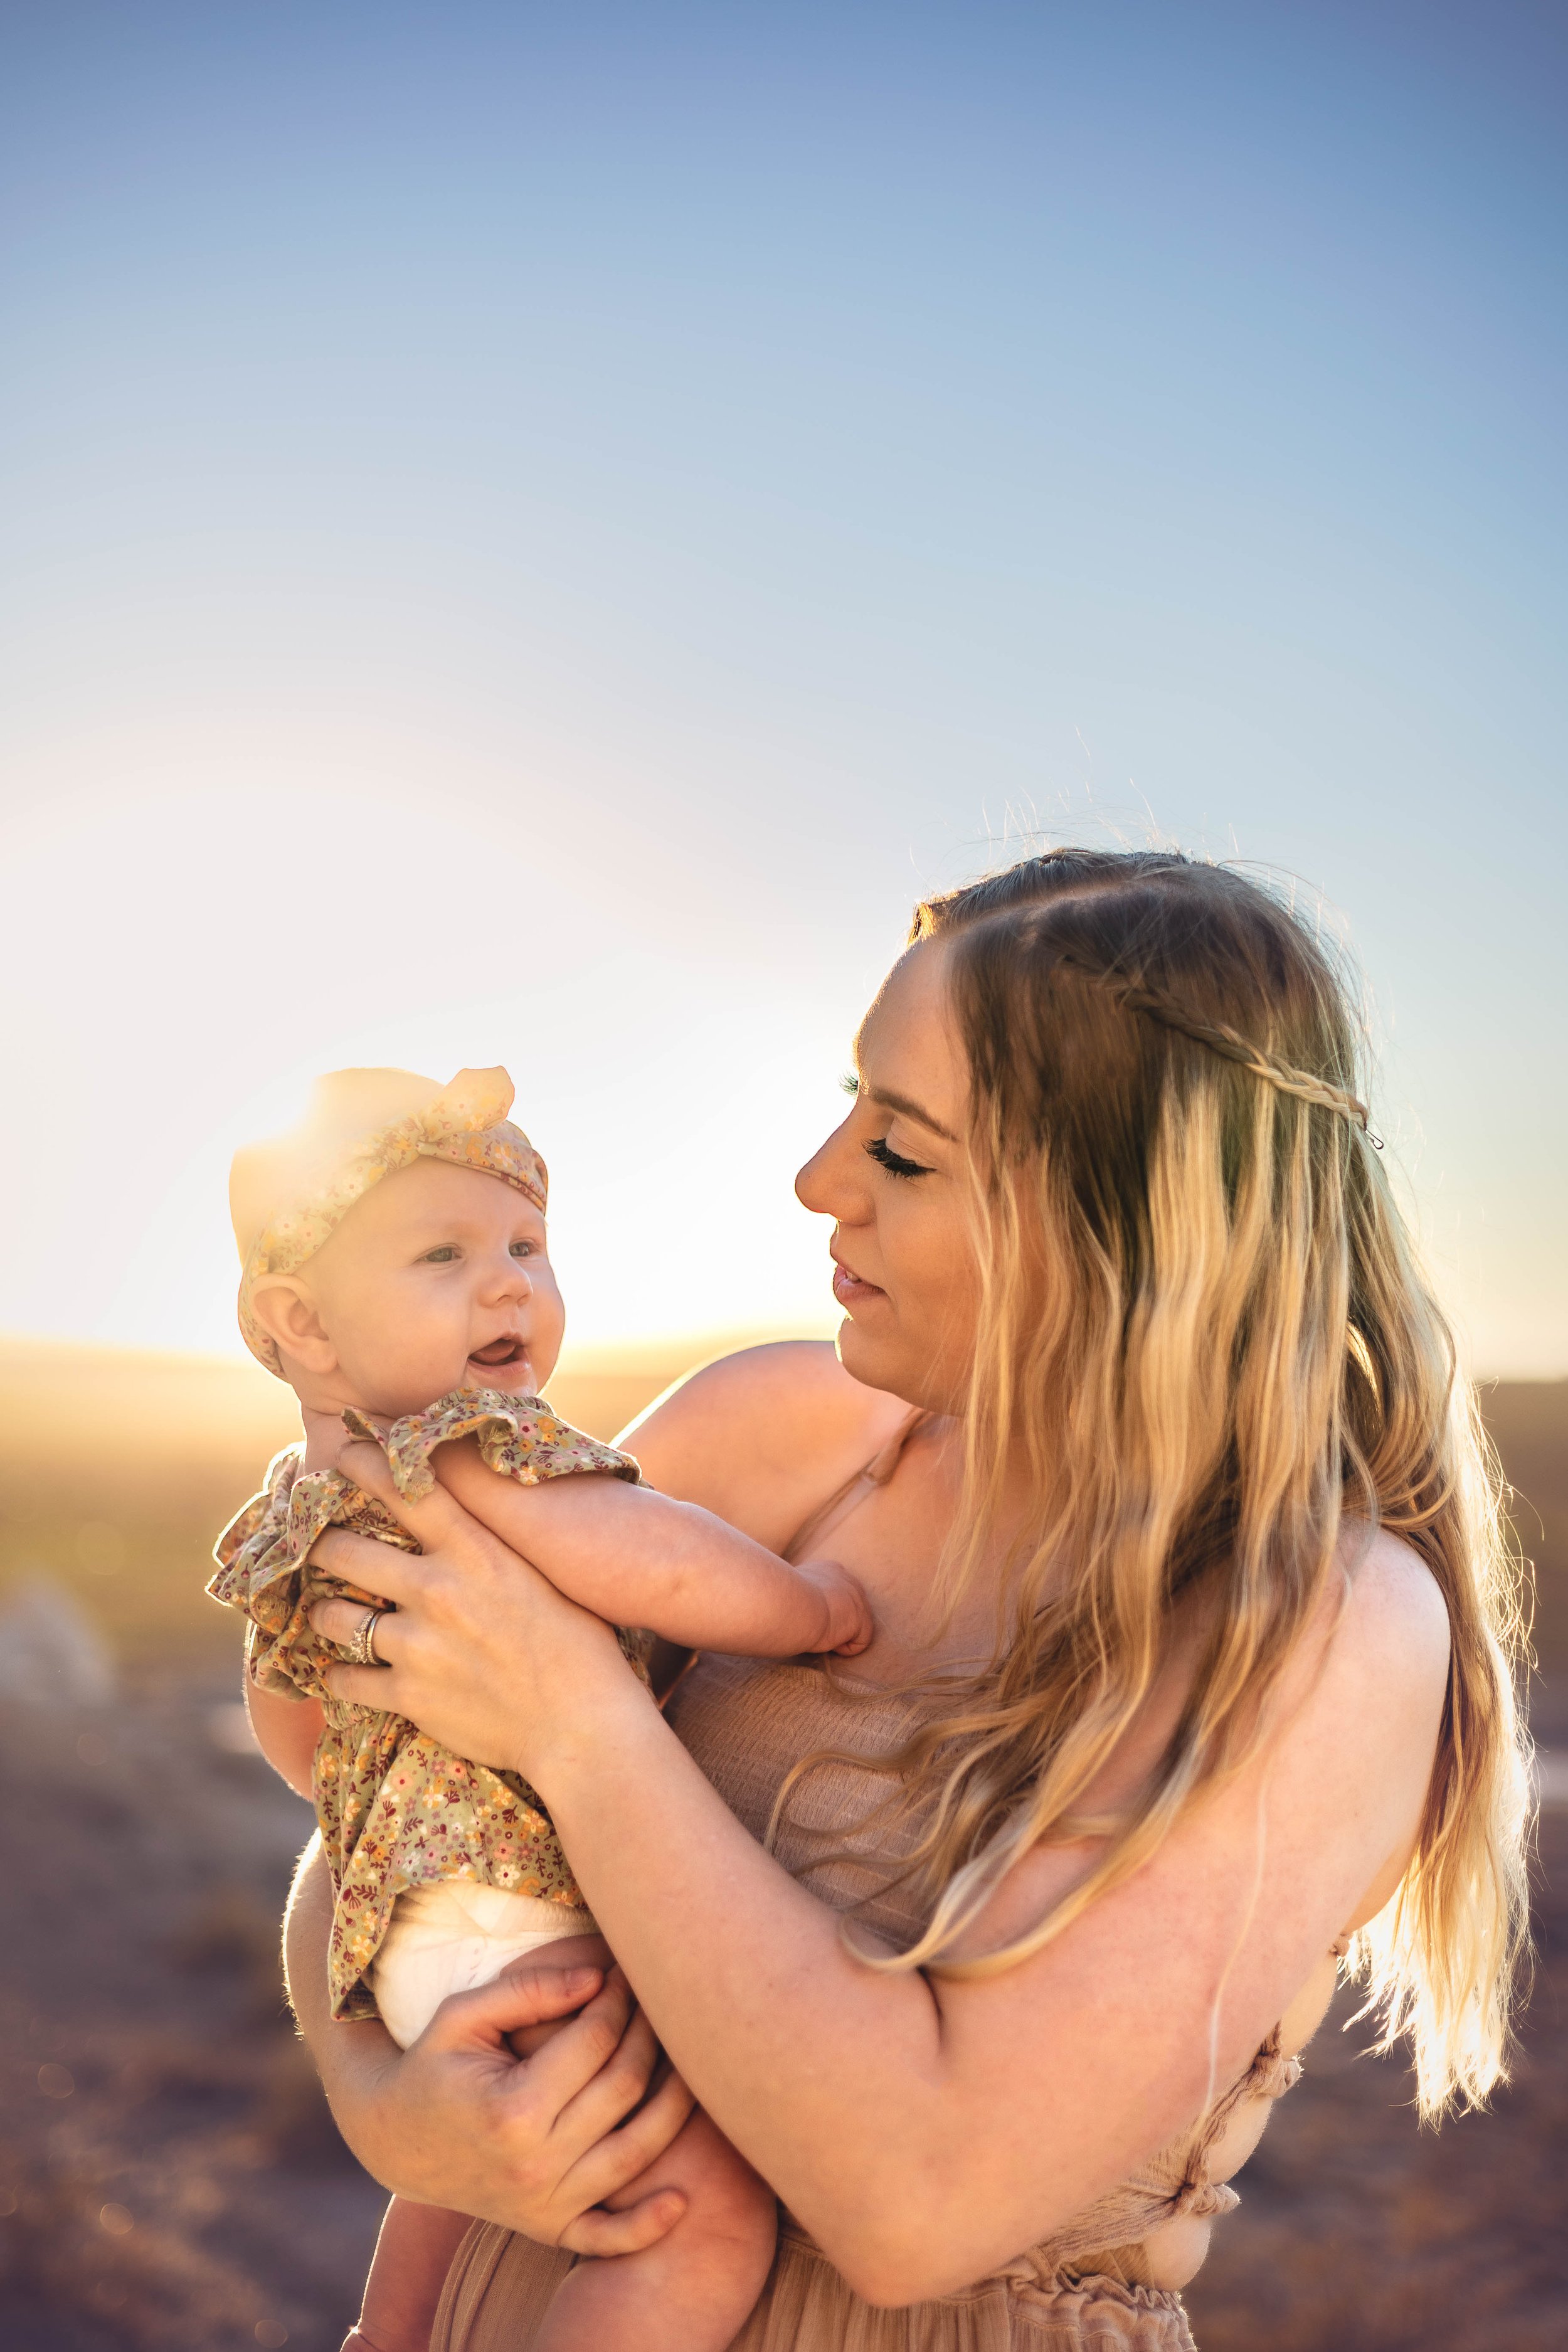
x=637 y=1558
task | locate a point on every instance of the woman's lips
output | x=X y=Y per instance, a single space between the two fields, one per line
x=848 y=1288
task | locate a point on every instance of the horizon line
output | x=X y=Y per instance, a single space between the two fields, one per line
x=586 y=1361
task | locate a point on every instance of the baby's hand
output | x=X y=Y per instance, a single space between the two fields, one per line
x=847 y=1621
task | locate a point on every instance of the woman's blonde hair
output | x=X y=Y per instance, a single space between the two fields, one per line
x=1203 y=1327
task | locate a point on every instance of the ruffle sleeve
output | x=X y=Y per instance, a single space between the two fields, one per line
x=263 y=1571
x=519 y=1436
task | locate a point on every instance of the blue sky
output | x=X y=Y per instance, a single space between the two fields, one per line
x=532 y=535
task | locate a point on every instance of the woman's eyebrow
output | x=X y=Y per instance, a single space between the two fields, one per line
x=891 y=1101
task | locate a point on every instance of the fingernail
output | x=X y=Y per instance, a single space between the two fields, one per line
x=577 y=1978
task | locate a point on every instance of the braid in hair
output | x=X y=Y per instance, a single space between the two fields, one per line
x=1220 y=1038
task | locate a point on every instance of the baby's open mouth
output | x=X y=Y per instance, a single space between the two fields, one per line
x=499 y=1352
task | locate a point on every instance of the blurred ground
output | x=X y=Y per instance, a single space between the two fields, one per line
x=175 y=2177
x=169 y=2176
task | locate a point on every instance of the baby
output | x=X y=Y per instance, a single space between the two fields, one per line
x=396 y=1275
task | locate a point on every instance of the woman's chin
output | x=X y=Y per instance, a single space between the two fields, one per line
x=889 y=1363
x=874 y=1366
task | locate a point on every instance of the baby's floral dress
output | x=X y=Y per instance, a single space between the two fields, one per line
x=396 y=1810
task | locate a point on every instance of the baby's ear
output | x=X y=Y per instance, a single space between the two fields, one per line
x=287 y=1313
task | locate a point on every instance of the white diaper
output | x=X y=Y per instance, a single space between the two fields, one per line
x=453 y=1936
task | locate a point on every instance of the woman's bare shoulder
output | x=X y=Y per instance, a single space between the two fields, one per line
x=1368 y=1676
x=1393 y=1615
x=764 y=1435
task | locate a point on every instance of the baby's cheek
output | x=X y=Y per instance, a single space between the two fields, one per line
x=549 y=1329
x=411 y=1356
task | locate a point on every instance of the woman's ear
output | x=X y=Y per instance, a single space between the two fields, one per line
x=287 y=1313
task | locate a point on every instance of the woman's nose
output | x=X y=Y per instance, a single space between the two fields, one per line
x=808 y=1185
x=831 y=1185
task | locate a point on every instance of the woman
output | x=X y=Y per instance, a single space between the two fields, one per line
x=1191 y=1674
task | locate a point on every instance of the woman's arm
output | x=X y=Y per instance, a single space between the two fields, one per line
x=457 y=2120
x=849 y=2089
x=803 y=1425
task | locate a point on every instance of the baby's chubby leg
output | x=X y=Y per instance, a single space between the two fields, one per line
x=691 y=2292
x=413 y=2255
x=444 y=1939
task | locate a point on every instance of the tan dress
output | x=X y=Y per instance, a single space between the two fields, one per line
x=746 y=1722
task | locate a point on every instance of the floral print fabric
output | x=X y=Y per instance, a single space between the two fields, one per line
x=466 y=1123
x=396 y=1810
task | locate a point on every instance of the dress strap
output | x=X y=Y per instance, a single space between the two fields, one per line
x=856 y=1490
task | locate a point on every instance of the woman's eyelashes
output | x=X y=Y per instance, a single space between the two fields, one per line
x=882 y=1152
x=880 y=1149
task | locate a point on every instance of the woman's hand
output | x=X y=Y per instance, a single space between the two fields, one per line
x=537 y=2145
x=480 y=1650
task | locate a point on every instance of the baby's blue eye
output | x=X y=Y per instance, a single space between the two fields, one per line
x=522 y=1249
x=442 y=1256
